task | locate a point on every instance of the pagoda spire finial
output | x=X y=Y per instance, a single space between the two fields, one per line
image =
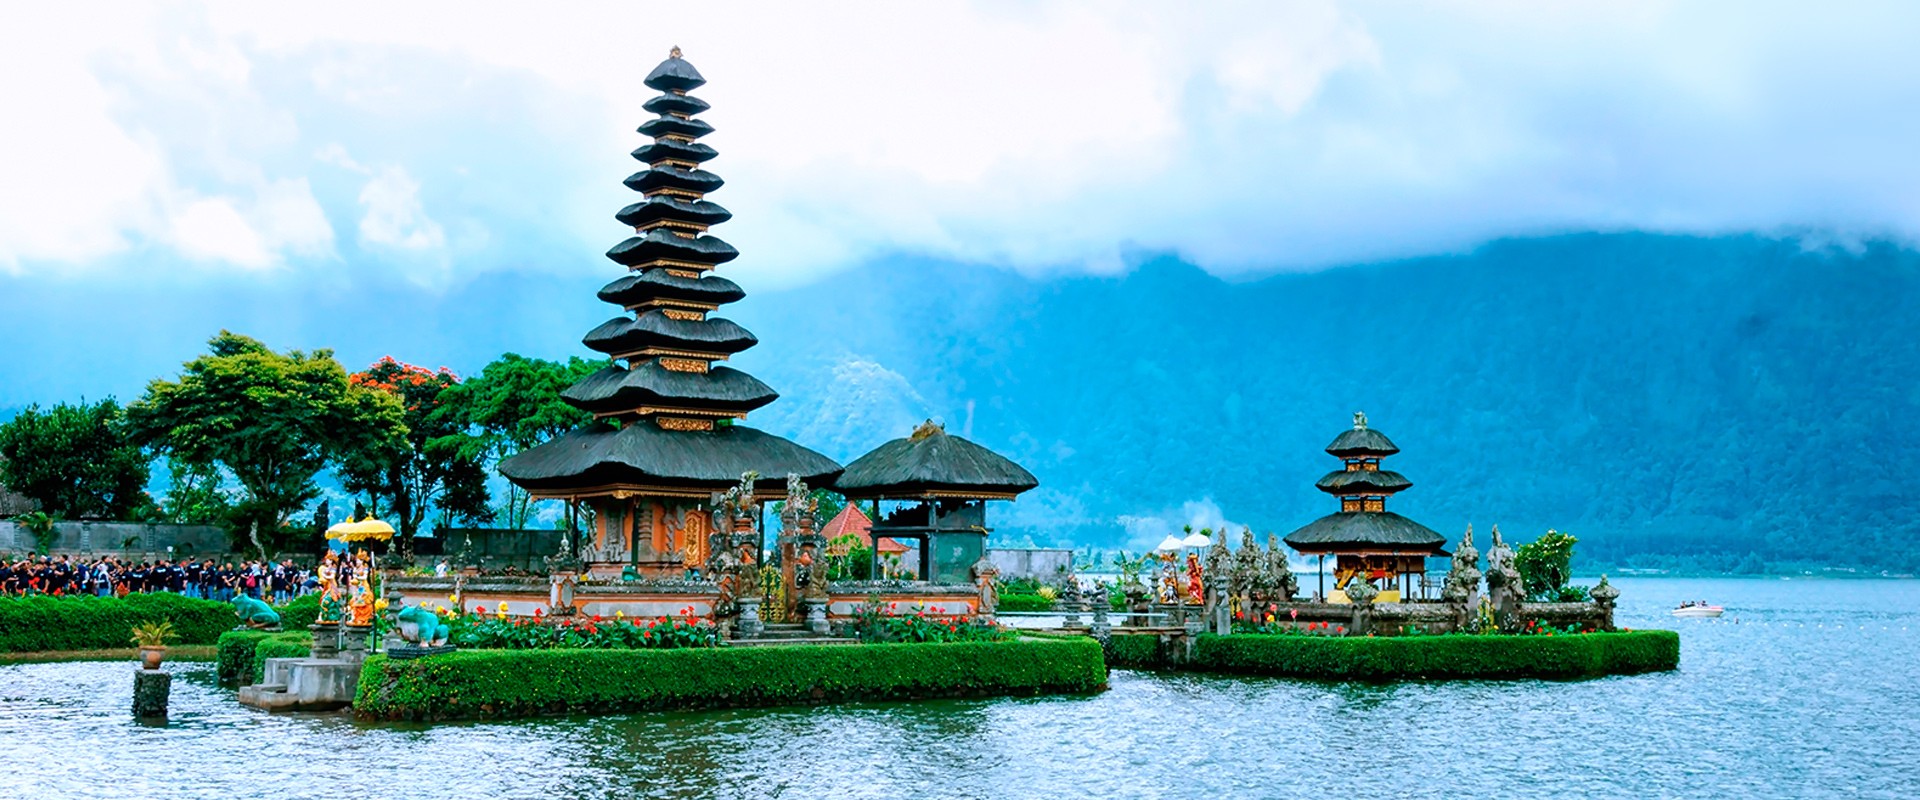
x=1359 y=420
x=674 y=53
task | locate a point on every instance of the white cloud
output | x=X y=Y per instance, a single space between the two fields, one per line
x=1241 y=136
x=394 y=216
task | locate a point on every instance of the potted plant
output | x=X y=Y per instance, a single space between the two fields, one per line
x=152 y=638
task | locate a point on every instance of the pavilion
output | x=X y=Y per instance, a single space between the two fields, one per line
x=940 y=485
x=1363 y=536
x=665 y=435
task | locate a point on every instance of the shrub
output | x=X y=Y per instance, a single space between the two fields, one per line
x=1137 y=650
x=516 y=683
x=1024 y=602
x=241 y=656
x=596 y=632
x=300 y=612
x=85 y=622
x=1453 y=656
x=280 y=645
x=874 y=625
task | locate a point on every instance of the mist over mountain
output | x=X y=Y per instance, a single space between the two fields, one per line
x=1726 y=404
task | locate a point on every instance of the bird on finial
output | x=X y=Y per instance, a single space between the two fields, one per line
x=1359 y=420
x=674 y=53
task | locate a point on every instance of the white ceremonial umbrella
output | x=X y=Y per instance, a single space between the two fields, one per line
x=1196 y=539
x=1170 y=543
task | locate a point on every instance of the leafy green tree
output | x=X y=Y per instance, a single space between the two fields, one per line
x=75 y=461
x=437 y=465
x=195 y=497
x=512 y=405
x=271 y=420
x=1545 y=564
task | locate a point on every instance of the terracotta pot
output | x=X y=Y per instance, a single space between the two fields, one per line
x=150 y=656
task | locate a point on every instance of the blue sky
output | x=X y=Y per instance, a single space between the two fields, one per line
x=412 y=170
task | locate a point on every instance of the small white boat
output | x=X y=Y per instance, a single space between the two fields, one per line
x=1698 y=609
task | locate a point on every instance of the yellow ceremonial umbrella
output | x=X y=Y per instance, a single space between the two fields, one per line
x=359 y=531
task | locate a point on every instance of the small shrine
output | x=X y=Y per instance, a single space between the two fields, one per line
x=939 y=485
x=1365 y=538
x=666 y=435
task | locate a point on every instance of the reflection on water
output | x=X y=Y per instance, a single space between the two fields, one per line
x=1804 y=688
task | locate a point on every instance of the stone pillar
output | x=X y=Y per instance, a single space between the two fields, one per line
x=326 y=639
x=560 y=594
x=1101 y=627
x=816 y=611
x=150 y=690
x=749 y=625
x=1222 y=612
x=353 y=644
x=1604 y=596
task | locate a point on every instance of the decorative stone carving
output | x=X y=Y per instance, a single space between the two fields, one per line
x=1069 y=599
x=1102 y=629
x=1463 y=578
x=1504 y=586
x=1362 y=592
x=1280 y=575
x=984 y=576
x=1218 y=567
x=1247 y=572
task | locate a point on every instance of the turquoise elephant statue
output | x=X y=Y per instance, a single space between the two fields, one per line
x=254 y=613
x=429 y=630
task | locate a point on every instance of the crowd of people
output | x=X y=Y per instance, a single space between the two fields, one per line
x=109 y=576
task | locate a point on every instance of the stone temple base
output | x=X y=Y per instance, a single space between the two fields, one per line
x=304 y=684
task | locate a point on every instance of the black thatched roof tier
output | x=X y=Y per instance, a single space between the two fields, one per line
x=654 y=284
x=617 y=388
x=655 y=329
x=1362 y=442
x=1365 y=530
x=675 y=104
x=933 y=462
x=1363 y=482
x=660 y=243
x=659 y=207
x=671 y=177
x=674 y=75
x=668 y=149
x=668 y=126
x=642 y=454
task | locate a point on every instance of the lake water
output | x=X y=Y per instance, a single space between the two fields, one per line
x=1805 y=688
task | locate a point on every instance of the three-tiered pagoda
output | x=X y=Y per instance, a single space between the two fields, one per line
x=665 y=433
x=1364 y=537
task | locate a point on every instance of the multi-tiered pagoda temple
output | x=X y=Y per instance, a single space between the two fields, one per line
x=1364 y=536
x=665 y=433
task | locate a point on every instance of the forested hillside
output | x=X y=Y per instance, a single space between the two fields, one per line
x=1726 y=404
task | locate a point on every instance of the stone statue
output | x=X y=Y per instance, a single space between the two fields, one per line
x=984 y=575
x=1362 y=592
x=254 y=613
x=1463 y=578
x=1070 y=600
x=1280 y=576
x=420 y=626
x=1504 y=586
x=1218 y=567
x=1247 y=569
x=1359 y=420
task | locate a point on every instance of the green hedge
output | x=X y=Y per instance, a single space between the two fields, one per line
x=85 y=622
x=1417 y=657
x=241 y=656
x=1023 y=602
x=1136 y=650
x=299 y=612
x=517 y=683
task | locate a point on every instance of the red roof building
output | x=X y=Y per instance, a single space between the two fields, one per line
x=851 y=521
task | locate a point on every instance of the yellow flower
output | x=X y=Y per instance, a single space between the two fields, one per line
x=380 y=604
x=619 y=615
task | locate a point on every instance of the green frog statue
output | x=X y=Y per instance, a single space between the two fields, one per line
x=255 y=614
x=419 y=625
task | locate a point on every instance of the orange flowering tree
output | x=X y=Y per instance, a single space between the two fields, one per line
x=434 y=467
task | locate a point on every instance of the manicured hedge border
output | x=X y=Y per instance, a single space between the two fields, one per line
x=519 y=683
x=84 y=622
x=241 y=656
x=1135 y=650
x=1438 y=657
x=1014 y=601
